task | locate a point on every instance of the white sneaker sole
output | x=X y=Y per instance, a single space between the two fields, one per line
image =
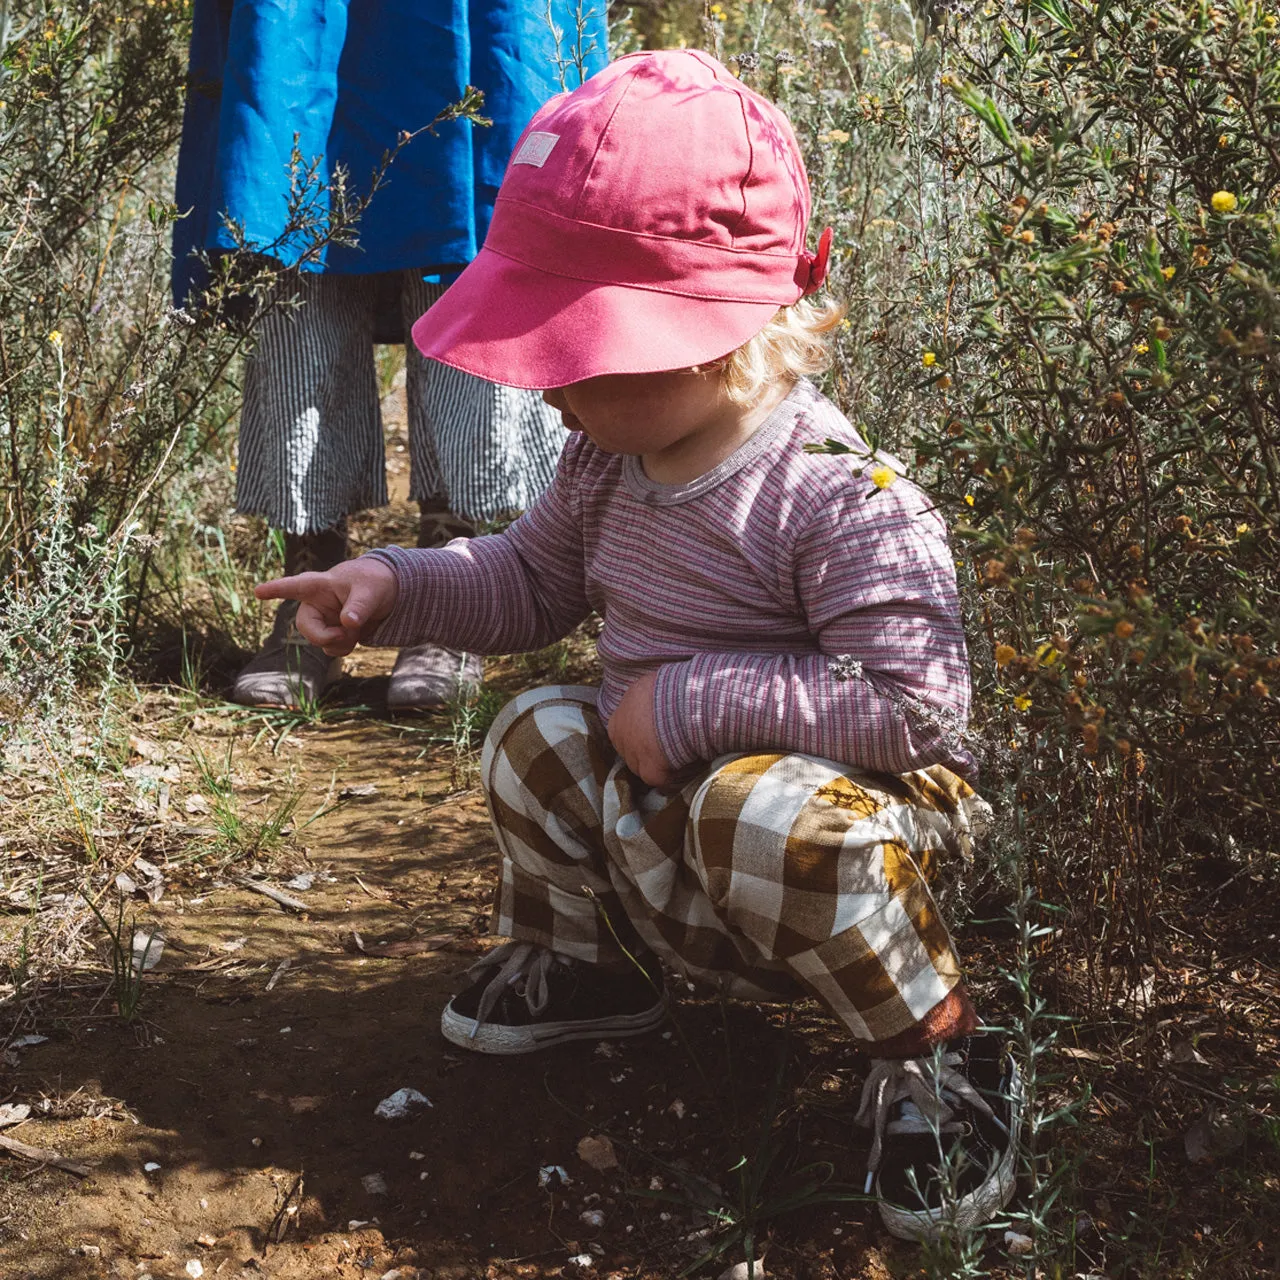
x=485 y=1037
x=982 y=1204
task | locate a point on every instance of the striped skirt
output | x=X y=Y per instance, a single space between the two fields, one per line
x=310 y=447
x=770 y=876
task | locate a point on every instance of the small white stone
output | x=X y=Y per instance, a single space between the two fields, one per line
x=374 y=1183
x=1018 y=1244
x=592 y=1218
x=401 y=1105
x=151 y=1167
x=740 y=1271
x=195 y=1269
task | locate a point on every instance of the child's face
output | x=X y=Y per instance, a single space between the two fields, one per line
x=640 y=413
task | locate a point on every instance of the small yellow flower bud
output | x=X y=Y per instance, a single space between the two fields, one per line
x=929 y=359
x=55 y=336
x=1023 y=702
x=882 y=477
x=1223 y=202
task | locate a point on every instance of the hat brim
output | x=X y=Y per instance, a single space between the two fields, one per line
x=513 y=324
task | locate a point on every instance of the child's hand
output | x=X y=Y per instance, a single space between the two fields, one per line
x=633 y=730
x=337 y=608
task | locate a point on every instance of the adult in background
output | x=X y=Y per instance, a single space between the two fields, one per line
x=341 y=83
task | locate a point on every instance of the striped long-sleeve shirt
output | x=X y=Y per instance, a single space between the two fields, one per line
x=784 y=600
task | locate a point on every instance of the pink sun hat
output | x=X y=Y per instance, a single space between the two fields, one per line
x=652 y=219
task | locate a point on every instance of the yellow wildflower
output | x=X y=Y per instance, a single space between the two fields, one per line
x=1168 y=272
x=928 y=359
x=968 y=499
x=882 y=477
x=1005 y=654
x=1023 y=702
x=1140 y=349
x=55 y=336
x=1223 y=201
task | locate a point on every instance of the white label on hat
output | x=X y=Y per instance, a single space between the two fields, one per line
x=535 y=149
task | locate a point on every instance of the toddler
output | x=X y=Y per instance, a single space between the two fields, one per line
x=756 y=794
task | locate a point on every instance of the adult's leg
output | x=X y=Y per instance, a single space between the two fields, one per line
x=460 y=459
x=488 y=451
x=310 y=453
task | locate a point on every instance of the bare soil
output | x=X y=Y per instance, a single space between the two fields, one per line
x=265 y=1039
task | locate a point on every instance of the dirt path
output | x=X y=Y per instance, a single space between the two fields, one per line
x=232 y=1124
x=230 y=1127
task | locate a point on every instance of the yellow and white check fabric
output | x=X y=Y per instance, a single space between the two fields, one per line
x=766 y=875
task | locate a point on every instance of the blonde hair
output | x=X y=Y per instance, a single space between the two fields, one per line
x=796 y=342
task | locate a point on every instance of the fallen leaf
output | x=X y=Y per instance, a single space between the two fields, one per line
x=13 y=1113
x=1214 y=1135
x=1184 y=1052
x=147 y=749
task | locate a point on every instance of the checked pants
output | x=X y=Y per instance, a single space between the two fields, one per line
x=768 y=876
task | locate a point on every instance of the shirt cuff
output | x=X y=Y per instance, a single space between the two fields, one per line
x=673 y=698
x=410 y=622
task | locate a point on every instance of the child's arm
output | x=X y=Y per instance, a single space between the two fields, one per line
x=520 y=589
x=889 y=689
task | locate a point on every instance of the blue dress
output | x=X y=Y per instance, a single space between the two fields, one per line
x=346 y=77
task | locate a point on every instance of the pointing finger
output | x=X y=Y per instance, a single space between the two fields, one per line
x=297 y=587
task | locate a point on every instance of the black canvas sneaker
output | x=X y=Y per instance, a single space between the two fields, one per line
x=959 y=1111
x=526 y=997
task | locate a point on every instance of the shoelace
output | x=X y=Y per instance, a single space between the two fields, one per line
x=515 y=961
x=929 y=1090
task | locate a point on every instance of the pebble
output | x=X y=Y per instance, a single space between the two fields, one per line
x=740 y=1271
x=1018 y=1244
x=195 y=1269
x=374 y=1183
x=401 y=1105
x=592 y=1218
x=596 y=1152
x=151 y=1167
